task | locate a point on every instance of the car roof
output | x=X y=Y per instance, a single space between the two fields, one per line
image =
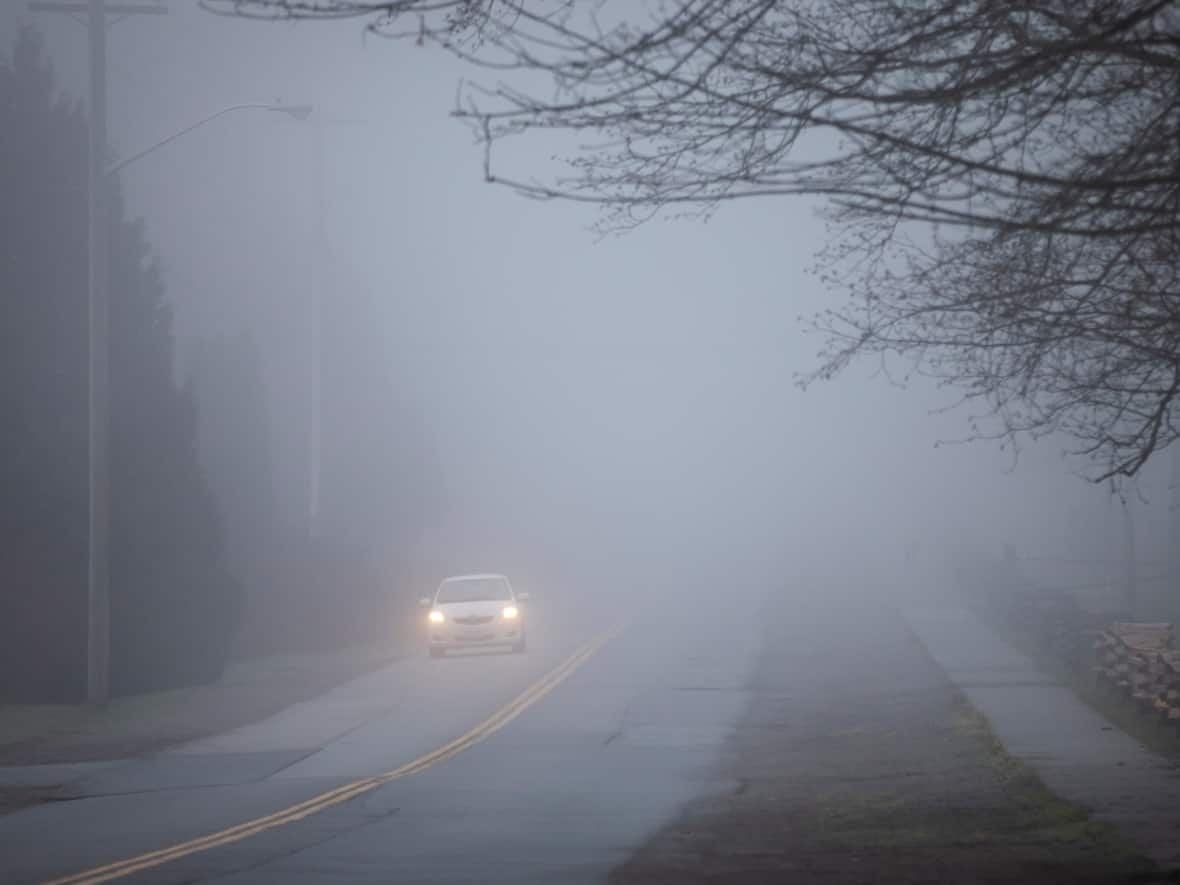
x=480 y=577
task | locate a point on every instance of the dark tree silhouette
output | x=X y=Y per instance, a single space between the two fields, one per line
x=236 y=446
x=173 y=607
x=376 y=469
x=1002 y=177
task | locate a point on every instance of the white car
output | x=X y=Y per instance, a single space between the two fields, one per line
x=473 y=611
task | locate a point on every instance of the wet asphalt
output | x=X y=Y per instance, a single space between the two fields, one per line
x=564 y=792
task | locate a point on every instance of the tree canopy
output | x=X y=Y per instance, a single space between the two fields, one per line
x=1003 y=178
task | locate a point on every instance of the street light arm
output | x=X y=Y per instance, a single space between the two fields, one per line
x=299 y=112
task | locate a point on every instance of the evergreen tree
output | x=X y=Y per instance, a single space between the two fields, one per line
x=173 y=604
x=43 y=378
x=235 y=445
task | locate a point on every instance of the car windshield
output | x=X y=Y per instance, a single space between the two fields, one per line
x=474 y=590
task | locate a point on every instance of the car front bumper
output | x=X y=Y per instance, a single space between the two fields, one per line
x=447 y=636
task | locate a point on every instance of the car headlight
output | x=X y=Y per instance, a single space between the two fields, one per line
x=510 y=612
x=436 y=617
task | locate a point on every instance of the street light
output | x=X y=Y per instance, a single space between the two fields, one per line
x=299 y=112
x=295 y=111
x=98 y=646
x=319 y=281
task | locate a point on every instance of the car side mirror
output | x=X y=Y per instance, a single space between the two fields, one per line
x=522 y=597
x=424 y=602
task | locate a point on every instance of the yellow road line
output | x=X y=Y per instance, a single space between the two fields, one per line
x=316 y=804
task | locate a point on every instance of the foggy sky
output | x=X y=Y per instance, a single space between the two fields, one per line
x=628 y=394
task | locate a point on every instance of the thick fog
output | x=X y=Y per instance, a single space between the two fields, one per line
x=598 y=412
x=397 y=517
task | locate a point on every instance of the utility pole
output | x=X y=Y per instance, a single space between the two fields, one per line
x=1130 y=576
x=1114 y=554
x=98 y=596
x=1174 y=526
x=98 y=601
x=319 y=279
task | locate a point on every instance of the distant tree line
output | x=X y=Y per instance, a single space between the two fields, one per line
x=1003 y=179
x=345 y=578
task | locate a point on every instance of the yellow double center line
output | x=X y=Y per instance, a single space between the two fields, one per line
x=319 y=803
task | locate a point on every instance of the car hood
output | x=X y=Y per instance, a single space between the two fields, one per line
x=471 y=609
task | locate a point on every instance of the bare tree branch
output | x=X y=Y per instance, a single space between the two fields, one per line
x=1004 y=178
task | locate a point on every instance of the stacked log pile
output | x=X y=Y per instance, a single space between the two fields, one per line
x=1141 y=660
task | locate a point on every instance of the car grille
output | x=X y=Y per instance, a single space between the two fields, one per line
x=472 y=620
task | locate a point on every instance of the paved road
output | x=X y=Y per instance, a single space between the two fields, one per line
x=561 y=787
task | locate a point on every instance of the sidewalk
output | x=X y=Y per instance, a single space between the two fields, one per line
x=859 y=761
x=1077 y=753
x=44 y=746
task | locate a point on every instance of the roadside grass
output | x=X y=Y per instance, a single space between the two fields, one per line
x=1045 y=816
x=1031 y=815
x=26 y=722
x=249 y=689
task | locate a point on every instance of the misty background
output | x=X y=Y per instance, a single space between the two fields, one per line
x=502 y=389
